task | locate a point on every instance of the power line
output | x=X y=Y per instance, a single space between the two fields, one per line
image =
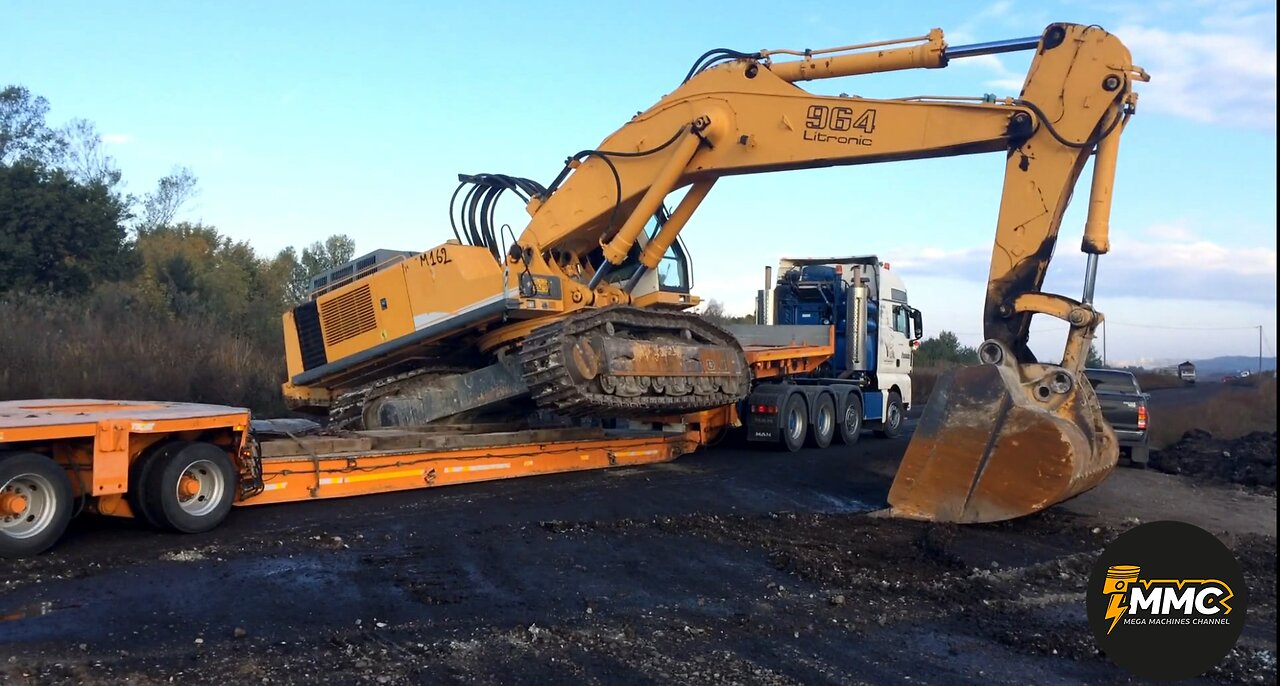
x=1185 y=328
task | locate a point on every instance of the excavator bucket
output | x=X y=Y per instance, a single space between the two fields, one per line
x=993 y=446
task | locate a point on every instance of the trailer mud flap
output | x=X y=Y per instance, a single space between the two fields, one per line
x=992 y=446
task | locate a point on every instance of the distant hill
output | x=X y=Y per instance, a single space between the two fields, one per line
x=1232 y=363
x=1226 y=364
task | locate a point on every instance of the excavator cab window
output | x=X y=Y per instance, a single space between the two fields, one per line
x=674 y=268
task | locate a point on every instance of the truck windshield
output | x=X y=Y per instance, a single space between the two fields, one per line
x=1111 y=381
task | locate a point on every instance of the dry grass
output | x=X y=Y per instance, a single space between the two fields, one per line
x=1150 y=381
x=1230 y=413
x=113 y=346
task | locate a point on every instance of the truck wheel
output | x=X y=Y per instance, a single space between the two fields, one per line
x=35 y=503
x=139 y=473
x=891 y=426
x=795 y=422
x=851 y=424
x=190 y=489
x=824 y=421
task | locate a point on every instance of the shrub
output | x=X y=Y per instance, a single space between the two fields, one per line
x=114 y=344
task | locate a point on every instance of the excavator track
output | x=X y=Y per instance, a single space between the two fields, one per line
x=347 y=412
x=632 y=363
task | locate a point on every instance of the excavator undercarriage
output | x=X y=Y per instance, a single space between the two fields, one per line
x=633 y=363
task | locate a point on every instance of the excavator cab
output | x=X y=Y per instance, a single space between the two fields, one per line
x=669 y=283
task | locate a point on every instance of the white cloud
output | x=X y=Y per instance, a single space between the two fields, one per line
x=116 y=138
x=1222 y=71
x=1002 y=79
x=1214 y=77
x=1167 y=261
x=1174 y=231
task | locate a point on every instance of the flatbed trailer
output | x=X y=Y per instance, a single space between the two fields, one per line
x=182 y=466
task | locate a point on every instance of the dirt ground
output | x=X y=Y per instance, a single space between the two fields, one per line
x=730 y=566
x=1249 y=460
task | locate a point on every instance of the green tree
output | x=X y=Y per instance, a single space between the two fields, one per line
x=714 y=312
x=83 y=156
x=943 y=349
x=25 y=135
x=1093 y=360
x=194 y=268
x=57 y=234
x=160 y=207
x=315 y=258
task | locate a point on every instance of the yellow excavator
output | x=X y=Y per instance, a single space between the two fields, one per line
x=584 y=310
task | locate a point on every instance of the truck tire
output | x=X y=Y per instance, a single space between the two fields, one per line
x=891 y=425
x=190 y=489
x=139 y=472
x=35 y=503
x=851 y=422
x=795 y=422
x=823 y=419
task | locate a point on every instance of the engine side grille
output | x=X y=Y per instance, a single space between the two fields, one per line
x=310 y=342
x=348 y=316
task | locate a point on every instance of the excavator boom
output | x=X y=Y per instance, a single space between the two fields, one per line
x=1001 y=440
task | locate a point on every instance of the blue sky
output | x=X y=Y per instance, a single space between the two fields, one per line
x=304 y=119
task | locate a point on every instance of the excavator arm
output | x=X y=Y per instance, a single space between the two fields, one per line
x=748 y=116
x=997 y=441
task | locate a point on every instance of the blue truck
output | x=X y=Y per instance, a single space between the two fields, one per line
x=866 y=383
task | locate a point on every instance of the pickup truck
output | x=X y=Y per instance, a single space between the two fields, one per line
x=1124 y=405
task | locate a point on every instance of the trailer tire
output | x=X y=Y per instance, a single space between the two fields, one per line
x=795 y=422
x=139 y=473
x=823 y=421
x=35 y=503
x=851 y=422
x=190 y=489
x=891 y=425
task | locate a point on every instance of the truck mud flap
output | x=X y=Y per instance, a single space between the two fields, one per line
x=991 y=446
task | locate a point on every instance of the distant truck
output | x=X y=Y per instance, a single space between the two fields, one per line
x=866 y=382
x=1124 y=406
x=1187 y=372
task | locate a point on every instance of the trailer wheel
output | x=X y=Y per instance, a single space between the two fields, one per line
x=851 y=424
x=190 y=489
x=891 y=426
x=35 y=503
x=795 y=422
x=139 y=473
x=824 y=421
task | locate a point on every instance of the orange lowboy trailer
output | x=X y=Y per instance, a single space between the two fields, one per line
x=182 y=466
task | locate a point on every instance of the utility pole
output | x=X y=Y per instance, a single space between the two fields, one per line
x=1259 y=349
x=1104 y=342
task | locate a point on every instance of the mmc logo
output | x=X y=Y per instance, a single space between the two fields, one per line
x=1163 y=601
